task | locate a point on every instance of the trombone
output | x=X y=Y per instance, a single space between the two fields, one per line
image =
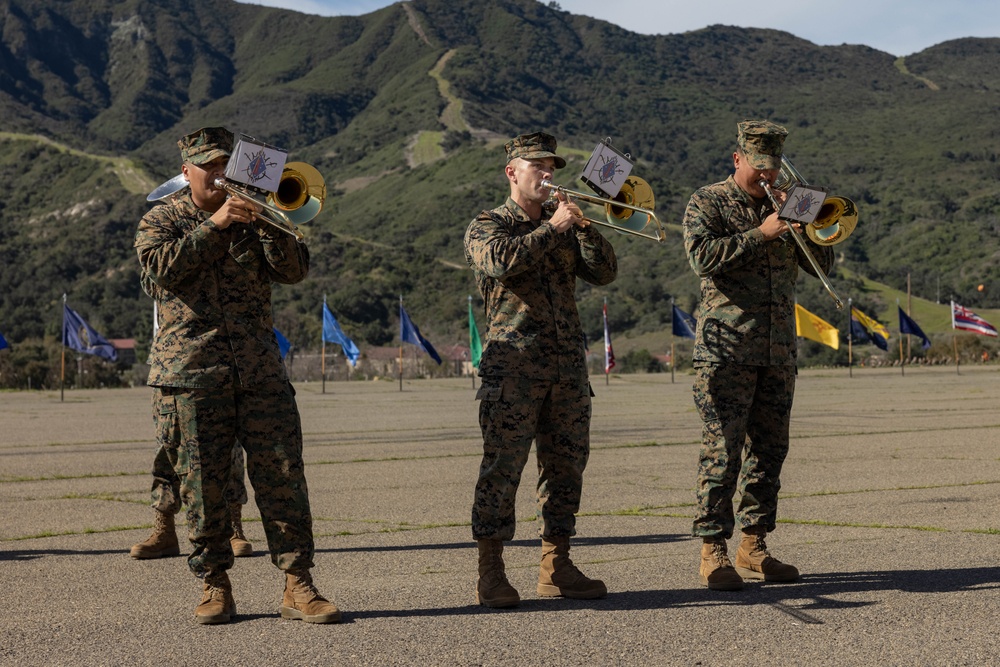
x=299 y=198
x=620 y=212
x=837 y=219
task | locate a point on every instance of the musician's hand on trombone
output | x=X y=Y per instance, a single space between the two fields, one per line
x=773 y=226
x=235 y=209
x=567 y=214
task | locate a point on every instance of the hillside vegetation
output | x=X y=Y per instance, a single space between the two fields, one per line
x=405 y=111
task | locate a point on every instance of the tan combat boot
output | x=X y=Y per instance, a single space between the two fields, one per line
x=558 y=577
x=217 y=604
x=716 y=570
x=754 y=562
x=162 y=542
x=241 y=546
x=492 y=588
x=302 y=602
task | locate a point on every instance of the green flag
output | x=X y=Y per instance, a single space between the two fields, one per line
x=474 y=343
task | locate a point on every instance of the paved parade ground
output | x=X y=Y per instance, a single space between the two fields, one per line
x=890 y=508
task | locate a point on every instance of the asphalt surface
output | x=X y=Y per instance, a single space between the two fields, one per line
x=889 y=509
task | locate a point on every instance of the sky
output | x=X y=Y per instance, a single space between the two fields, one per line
x=898 y=27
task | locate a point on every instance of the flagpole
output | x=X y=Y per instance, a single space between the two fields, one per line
x=902 y=362
x=672 y=363
x=322 y=356
x=954 y=337
x=62 y=374
x=850 y=339
x=400 y=342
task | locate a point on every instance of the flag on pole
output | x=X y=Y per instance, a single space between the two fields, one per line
x=283 y=343
x=966 y=320
x=609 y=353
x=908 y=326
x=3 y=342
x=80 y=336
x=868 y=329
x=684 y=325
x=332 y=333
x=815 y=328
x=475 y=344
x=409 y=333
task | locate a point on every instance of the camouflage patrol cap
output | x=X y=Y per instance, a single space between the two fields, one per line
x=761 y=141
x=532 y=147
x=206 y=144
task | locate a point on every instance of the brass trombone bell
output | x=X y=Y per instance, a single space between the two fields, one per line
x=300 y=194
x=621 y=212
x=838 y=217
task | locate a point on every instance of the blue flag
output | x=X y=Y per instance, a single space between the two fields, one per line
x=283 y=343
x=409 y=333
x=3 y=342
x=683 y=324
x=908 y=326
x=333 y=334
x=80 y=336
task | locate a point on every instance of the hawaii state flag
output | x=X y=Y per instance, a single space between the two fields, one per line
x=609 y=353
x=966 y=320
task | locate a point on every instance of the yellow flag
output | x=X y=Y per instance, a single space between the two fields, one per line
x=814 y=328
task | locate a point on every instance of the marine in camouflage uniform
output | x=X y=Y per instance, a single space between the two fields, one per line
x=535 y=383
x=744 y=354
x=218 y=377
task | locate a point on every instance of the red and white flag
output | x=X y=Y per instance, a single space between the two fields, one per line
x=966 y=320
x=609 y=353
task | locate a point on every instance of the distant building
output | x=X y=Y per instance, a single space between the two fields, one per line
x=126 y=349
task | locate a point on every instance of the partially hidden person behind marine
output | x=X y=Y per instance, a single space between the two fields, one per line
x=535 y=383
x=218 y=378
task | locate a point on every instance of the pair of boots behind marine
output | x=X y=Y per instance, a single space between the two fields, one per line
x=300 y=600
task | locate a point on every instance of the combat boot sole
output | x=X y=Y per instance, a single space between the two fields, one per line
x=293 y=614
x=769 y=576
x=596 y=591
x=722 y=584
x=499 y=602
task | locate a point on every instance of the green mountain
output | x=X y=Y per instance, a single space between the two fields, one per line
x=405 y=111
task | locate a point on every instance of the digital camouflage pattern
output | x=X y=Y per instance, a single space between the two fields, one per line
x=761 y=142
x=747 y=311
x=513 y=411
x=166 y=491
x=526 y=273
x=219 y=378
x=205 y=145
x=535 y=379
x=533 y=146
x=740 y=405
x=197 y=428
x=744 y=353
x=213 y=289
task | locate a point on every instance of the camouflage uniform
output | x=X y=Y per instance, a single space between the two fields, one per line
x=218 y=377
x=166 y=491
x=535 y=383
x=745 y=347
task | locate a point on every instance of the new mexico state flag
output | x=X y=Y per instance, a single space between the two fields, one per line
x=814 y=328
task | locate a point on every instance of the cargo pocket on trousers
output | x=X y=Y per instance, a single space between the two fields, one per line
x=168 y=432
x=489 y=392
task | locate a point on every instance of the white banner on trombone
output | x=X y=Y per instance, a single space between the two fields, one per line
x=257 y=165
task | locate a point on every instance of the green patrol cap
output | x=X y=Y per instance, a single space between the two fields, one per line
x=206 y=144
x=761 y=141
x=532 y=147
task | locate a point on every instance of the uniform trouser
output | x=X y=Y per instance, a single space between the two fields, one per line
x=166 y=491
x=513 y=412
x=198 y=428
x=745 y=414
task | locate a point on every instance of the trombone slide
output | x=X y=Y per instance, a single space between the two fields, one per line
x=616 y=209
x=804 y=248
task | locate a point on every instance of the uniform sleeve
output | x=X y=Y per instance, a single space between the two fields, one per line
x=287 y=258
x=168 y=257
x=491 y=248
x=598 y=263
x=711 y=248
